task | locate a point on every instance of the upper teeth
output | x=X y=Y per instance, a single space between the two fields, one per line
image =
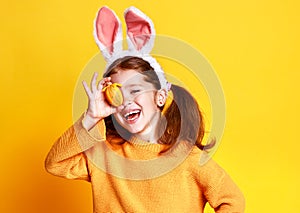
x=129 y=113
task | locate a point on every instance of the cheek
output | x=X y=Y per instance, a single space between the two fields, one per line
x=117 y=117
x=147 y=101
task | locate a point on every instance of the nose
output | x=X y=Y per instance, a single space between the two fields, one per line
x=127 y=102
x=127 y=97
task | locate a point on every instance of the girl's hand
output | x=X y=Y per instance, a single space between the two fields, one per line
x=98 y=108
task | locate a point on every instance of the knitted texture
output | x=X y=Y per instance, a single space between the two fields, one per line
x=187 y=187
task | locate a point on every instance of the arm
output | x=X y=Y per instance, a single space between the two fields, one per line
x=219 y=189
x=230 y=198
x=66 y=157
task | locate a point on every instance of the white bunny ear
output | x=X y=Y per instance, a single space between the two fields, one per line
x=108 y=32
x=140 y=31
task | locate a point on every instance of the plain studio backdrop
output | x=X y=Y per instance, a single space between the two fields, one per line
x=252 y=45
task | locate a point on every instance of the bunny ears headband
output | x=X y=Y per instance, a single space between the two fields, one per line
x=140 y=37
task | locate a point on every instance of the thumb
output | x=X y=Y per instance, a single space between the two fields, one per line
x=119 y=108
x=113 y=109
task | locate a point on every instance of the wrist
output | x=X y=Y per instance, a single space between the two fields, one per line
x=89 y=121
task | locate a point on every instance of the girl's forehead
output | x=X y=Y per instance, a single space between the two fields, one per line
x=128 y=77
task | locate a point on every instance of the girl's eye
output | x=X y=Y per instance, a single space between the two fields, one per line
x=135 y=91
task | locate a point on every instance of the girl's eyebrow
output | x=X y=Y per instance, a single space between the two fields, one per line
x=132 y=85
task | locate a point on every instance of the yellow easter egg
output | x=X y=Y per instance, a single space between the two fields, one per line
x=113 y=94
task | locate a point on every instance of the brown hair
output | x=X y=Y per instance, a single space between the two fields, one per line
x=183 y=116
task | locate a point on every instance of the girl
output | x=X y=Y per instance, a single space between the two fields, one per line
x=144 y=155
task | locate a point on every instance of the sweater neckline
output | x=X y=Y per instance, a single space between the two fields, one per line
x=145 y=145
x=181 y=147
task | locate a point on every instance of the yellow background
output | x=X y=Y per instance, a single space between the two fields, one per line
x=253 y=46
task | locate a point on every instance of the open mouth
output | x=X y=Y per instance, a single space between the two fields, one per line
x=133 y=115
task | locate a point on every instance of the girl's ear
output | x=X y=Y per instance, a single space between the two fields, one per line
x=161 y=97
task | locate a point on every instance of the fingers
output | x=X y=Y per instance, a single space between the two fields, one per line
x=116 y=109
x=93 y=82
x=104 y=82
x=87 y=89
x=119 y=108
x=94 y=87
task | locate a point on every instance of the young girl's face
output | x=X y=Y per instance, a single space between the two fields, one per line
x=140 y=114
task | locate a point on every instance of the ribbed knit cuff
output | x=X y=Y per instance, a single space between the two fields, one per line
x=86 y=138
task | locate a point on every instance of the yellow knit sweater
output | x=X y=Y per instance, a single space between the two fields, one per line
x=132 y=177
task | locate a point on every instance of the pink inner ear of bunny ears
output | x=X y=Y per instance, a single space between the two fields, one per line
x=138 y=29
x=107 y=27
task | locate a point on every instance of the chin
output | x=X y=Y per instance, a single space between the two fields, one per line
x=141 y=129
x=135 y=130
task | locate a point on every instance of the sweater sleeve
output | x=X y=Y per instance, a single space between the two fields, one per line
x=220 y=190
x=67 y=156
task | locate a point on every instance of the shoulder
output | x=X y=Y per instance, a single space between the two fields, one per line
x=204 y=168
x=198 y=157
